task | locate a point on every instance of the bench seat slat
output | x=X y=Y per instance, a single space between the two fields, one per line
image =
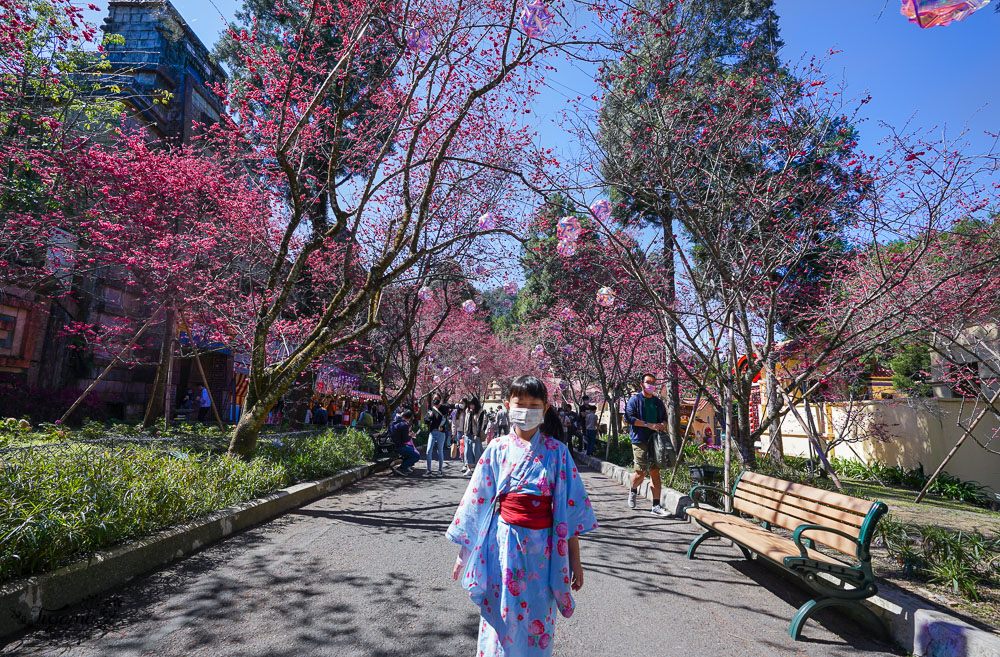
x=846 y=517
x=836 y=541
x=754 y=536
x=801 y=515
x=827 y=497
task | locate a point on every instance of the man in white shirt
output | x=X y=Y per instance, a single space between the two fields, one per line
x=590 y=422
x=204 y=403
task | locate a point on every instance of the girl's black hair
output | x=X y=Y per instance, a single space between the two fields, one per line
x=528 y=385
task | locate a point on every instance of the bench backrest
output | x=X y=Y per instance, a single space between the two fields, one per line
x=790 y=505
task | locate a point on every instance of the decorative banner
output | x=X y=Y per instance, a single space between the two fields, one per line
x=425 y=294
x=568 y=229
x=932 y=13
x=488 y=221
x=419 y=38
x=605 y=297
x=469 y=306
x=566 y=248
x=535 y=19
x=510 y=287
x=602 y=210
x=592 y=329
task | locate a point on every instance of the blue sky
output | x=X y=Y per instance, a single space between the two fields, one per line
x=941 y=76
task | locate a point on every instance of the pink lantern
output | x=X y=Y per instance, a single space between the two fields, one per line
x=510 y=287
x=605 y=297
x=419 y=38
x=425 y=294
x=569 y=229
x=488 y=221
x=932 y=13
x=566 y=248
x=469 y=306
x=535 y=19
x=602 y=210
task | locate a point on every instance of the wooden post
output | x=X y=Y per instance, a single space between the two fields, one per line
x=201 y=370
x=107 y=369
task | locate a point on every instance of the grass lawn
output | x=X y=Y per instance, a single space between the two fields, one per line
x=957 y=516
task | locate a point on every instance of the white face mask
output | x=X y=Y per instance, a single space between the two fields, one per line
x=526 y=419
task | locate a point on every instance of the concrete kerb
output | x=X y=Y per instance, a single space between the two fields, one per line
x=919 y=626
x=23 y=602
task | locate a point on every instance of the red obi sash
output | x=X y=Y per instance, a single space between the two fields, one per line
x=528 y=511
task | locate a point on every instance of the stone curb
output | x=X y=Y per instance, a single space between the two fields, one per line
x=22 y=602
x=919 y=626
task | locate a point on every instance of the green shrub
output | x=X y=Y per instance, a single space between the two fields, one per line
x=66 y=502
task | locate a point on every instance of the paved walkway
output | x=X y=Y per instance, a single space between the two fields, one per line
x=366 y=572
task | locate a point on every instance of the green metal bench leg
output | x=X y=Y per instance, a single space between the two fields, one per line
x=807 y=610
x=698 y=541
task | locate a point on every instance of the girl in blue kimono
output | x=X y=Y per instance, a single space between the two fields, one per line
x=518 y=528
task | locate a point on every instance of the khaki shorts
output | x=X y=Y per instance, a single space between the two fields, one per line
x=640 y=453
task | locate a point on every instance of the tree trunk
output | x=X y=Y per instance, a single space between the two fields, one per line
x=744 y=434
x=673 y=401
x=776 y=450
x=155 y=408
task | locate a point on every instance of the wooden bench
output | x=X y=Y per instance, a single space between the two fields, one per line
x=841 y=522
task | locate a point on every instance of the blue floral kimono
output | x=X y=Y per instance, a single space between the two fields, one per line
x=519 y=576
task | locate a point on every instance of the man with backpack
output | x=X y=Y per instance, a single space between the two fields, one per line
x=435 y=421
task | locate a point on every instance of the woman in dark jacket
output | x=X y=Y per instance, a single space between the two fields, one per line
x=475 y=431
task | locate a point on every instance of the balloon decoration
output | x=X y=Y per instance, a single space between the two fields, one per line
x=605 y=297
x=602 y=210
x=419 y=39
x=932 y=13
x=566 y=248
x=569 y=229
x=425 y=294
x=510 y=287
x=535 y=19
x=469 y=306
x=488 y=221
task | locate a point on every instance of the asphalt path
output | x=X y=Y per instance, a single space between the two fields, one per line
x=366 y=571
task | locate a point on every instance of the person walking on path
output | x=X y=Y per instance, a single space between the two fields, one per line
x=590 y=424
x=400 y=434
x=458 y=428
x=518 y=527
x=502 y=422
x=435 y=421
x=645 y=414
x=204 y=403
x=475 y=431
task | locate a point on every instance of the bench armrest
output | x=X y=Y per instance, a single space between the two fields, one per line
x=693 y=491
x=797 y=536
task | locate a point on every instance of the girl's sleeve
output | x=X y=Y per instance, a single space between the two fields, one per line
x=580 y=517
x=477 y=502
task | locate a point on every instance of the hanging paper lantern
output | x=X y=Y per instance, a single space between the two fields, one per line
x=539 y=349
x=473 y=360
x=481 y=270
x=437 y=379
x=605 y=297
x=510 y=287
x=475 y=370
x=932 y=13
x=602 y=210
x=568 y=229
x=535 y=19
x=425 y=294
x=419 y=38
x=592 y=329
x=446 y=371
x=563 y=385
x=488 y=221
x=566 y=248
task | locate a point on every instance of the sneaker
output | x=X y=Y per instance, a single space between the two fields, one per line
x=658 y=510
x=631 y=500
x=468 y=473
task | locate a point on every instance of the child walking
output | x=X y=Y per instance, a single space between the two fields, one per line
x=518 y=529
